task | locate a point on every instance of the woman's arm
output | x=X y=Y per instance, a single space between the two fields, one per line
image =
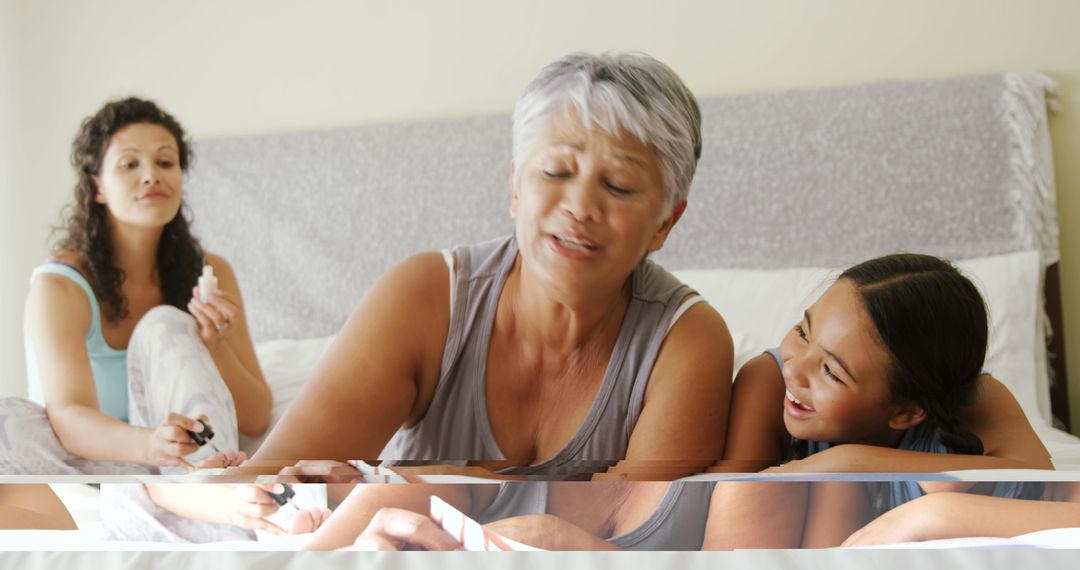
x=234 y=353
x=357 y=511
x=744 y=514
x=953 y=515
x=56 y=322
x=379 y=373
x=686 y=403
x=32 y=506
x=245 y=506
x=834 y=511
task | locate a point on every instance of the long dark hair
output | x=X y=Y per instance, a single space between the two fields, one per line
x=933 y=322
x=85 y=225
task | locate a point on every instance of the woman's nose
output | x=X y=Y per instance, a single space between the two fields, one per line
x=581 y=200
x=149 y=175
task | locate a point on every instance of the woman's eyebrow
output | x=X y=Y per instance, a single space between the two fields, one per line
x=633 y=159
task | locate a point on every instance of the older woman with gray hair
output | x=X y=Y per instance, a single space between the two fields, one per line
x=561 y=348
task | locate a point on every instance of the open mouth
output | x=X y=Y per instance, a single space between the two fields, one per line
x=575 y=243
x=796 y=402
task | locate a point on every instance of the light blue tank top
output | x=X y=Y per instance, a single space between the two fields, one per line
x=108 y=365
x=924 y=437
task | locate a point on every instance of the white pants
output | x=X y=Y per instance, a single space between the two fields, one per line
x=169 y=370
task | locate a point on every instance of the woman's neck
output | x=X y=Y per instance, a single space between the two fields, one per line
x=562 y=321
x=135 y=253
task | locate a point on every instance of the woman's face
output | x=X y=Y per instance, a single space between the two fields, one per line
x=139 y=181
x=587 y=205
x=835 y=369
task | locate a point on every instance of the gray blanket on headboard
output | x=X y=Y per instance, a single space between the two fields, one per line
x=956 y=167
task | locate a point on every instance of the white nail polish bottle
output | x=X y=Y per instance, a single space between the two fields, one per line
x=207 y=283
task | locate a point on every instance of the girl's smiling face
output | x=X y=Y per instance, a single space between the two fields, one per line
x=836 y=374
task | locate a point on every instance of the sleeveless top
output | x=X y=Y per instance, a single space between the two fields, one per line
x=677 y=522
x=456 y=428
x=924 y=437
x=109 y=365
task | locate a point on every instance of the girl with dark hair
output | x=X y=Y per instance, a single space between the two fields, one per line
x=124 y=351
x=890 y=356
x=884 y=373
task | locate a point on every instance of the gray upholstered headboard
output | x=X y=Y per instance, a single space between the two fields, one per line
x=957 y=167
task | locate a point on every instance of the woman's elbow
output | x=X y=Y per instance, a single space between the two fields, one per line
x=254 y=425
x=63 y=420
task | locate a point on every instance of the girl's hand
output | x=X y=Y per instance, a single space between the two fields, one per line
x=251 y=503
x=399 y=529
x=309 y=520
x=169 y=442
x=913 y=521
x=217 y=316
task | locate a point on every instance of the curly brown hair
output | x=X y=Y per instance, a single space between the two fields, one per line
x=85 y=225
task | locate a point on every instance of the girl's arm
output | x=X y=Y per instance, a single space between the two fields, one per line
x=233 y=351
x=56 y=322
x=379 y=373
x=1009 y=442
x=953 y=515
x=757 y=437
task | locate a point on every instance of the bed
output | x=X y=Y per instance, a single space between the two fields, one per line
x=957 y=167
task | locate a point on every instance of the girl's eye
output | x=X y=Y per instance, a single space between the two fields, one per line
x=554 y=173
x=799 y=331
x=830 y=373
x=128 y=164
x=166 y=163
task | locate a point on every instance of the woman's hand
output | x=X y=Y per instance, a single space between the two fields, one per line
x=910 y=522
x=223 y=459
x=323 y=471
x=399 y=529
x=250 y=504
x=216 y=316
x=169 y=443
x=548 y=532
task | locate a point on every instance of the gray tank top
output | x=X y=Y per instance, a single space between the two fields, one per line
x=455 y=428
x=677 y=522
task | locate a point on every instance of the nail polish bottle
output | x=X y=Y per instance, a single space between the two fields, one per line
x=207 y=283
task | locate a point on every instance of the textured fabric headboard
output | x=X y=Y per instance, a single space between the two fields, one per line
x=956 y=167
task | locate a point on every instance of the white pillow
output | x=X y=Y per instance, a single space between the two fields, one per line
x=286 y=364
x=761 y=305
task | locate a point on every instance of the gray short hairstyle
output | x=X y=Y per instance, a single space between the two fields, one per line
x=618 y=92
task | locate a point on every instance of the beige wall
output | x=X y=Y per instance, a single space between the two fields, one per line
x=240 y=67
